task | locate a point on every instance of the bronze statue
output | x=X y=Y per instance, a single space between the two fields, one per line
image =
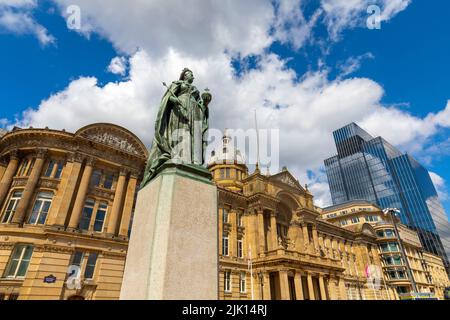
x=180 y=127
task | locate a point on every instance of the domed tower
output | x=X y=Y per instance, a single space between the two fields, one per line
x=227 y=165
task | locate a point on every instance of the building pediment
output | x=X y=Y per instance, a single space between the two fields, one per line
x=115 y=137
x=287 y=178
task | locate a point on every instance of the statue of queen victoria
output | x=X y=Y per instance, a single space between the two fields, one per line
x=180 y=128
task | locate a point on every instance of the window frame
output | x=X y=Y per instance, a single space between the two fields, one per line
x=243 y=282
x=227 y=283
x=16 y=200
x=44 y=201
x=226 y=245
x=8 y=274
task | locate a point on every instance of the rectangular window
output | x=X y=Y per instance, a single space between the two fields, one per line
x=90 y=266
x=19 y=261
x=108 y=182
x=240 y=222
x=355 y=220
x=12 y=206
x=100 y=217
x=240 y=248
x=225 y=215
x=41 y=208
x=59 y=170
x=227 y=281
x=225 y=245
x=50 y=167
x=87 y=214
x=77 y=258
x=242 y=283
x=96 y=178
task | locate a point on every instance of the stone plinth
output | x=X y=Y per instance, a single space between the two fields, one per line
x=173 y=251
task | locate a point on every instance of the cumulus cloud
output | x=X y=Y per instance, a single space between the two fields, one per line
x=118 y=66
x=346 y=14
x=16 y=17
x=207 y=36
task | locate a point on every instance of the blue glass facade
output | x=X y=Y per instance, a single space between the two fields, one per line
x=368 y=168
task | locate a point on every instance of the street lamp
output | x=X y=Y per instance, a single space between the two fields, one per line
x=393 y=212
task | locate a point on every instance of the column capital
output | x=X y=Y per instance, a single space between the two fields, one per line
x=75 y=157
x=41 y=153
x=124 y=171
x=14 y=155
x=134 y=174
x=90 y=161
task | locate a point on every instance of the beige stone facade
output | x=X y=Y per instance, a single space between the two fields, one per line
x=427 y=270
x=274 y=243
x=66 y=200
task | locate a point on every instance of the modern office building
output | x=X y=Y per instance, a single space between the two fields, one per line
x=368 y=168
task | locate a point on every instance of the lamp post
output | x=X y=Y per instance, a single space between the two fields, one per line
x=393 y=213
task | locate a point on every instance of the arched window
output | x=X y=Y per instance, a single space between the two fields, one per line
x=41 y=207
x=12 y=206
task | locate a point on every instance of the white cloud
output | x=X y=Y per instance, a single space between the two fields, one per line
x=347 y=14
x=439 y=184
x=16 y=17
x=118 y=66
x=206 y=36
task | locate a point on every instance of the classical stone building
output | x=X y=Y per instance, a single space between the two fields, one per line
x=274 y=244
x=66 y=202
x=428 y=270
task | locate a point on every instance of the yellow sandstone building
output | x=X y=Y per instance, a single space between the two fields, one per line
x=67 y=202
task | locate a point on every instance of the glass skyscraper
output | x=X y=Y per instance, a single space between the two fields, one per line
x=368 y=168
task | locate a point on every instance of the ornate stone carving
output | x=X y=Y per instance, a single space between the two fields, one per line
x=41 y=153
x=115 y=140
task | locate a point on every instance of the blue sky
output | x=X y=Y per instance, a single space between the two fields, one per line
x=398 y=73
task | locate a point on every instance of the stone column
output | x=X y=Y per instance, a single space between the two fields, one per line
x=233 y=234
x=128 y=205
x=312 y=296
x=261 y=235
x=81 y=195
x=273 y=231
x=315 y=238
x=266 y=288
x=8 y=176
x=298 y=286
x=117 y=204
x=342 y=290
x=66 y=190
x=323 y=291
x=250 y=234
x=30 y=187
x=3 y=166
x=299 y=242
x=284 y=285
x=305 y=236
